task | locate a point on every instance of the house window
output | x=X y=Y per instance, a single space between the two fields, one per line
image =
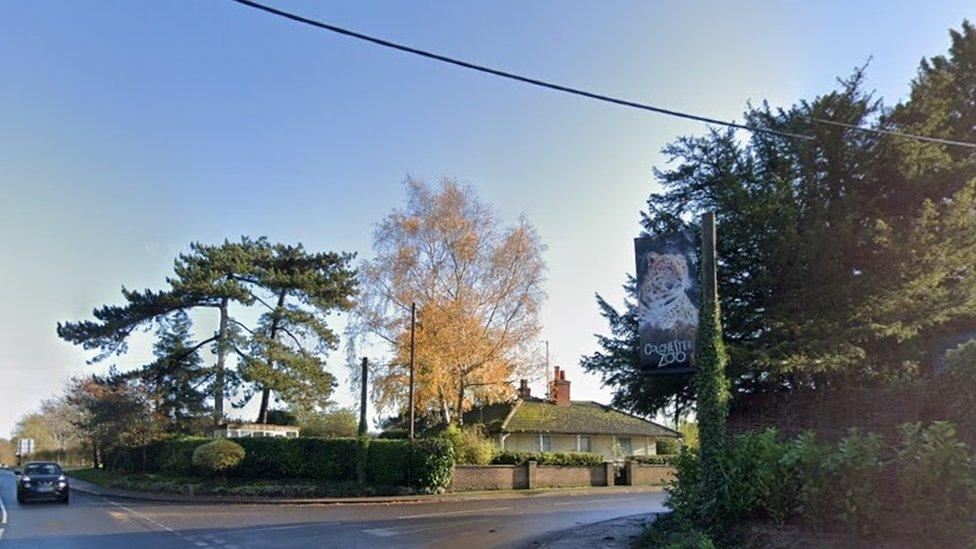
x=584 y=443
x=544 y=443
x=626 y=445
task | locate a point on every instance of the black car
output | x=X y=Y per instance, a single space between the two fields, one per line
x=42 y=480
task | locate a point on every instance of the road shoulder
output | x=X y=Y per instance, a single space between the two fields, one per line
x=618 y=533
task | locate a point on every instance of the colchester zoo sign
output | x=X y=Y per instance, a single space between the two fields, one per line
x=668 y=299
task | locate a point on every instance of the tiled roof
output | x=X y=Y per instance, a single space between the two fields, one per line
x=580 y=417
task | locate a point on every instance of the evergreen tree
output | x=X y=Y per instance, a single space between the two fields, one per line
x=177 y=380
x=844 y=259
x=287 y=348
x=618 y=366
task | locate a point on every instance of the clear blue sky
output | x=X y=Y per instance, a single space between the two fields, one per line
x=129 y=129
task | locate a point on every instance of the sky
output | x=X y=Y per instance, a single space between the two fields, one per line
x=130 y=129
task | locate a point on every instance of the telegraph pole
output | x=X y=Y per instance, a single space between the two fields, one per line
x=362 y=399
x=710 y=382
x=548 y=387
x=413 y=325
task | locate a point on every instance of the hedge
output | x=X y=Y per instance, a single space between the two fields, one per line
x=665 y=459
x=577 y=459
x=425 y=463
x=387 y=461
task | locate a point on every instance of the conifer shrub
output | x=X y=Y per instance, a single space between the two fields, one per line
x=218 y=457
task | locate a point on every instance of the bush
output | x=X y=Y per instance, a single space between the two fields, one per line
x=426 y=463
x=432 y=464
x=668 y=532
x=684 y=492
x=937 y=476
x=576 y=459
x=387 y=462
x=317 y=458
x=174 y=457
x=667 y=445
x=656 y=460
x=854 y=470
x=759 y=479
x=217 y=457
x=471 y=447
x=689 y=434
x=954 y=389
x=266 y=458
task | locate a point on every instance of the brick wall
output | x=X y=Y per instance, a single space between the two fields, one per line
x=489 y=477
x=648 y=475
x=551 y=476
x=530 y=475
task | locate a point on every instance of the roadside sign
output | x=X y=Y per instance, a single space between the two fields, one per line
x=668 y=302
x=25 y=446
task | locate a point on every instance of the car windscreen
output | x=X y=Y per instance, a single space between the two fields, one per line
x=42 y=469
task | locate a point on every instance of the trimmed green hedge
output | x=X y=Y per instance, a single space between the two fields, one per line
x=388 y=461
x=428 y=462
x=667 y=459
x=577 y=459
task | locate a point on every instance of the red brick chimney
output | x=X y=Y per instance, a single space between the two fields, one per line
x=559 y=388
x=524 y=392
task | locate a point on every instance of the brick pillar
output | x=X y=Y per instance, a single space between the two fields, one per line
x=609 y=466
x=631 y=469
x=531 y=473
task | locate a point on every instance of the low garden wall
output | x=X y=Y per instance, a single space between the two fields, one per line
x=529 y=475
x=555 y=476
x=489 y=477
x=639 y=474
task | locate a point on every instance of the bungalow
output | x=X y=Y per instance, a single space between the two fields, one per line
x=560 y=424
x=255 y=430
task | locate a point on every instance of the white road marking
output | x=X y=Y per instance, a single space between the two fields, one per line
x=383 y=532
x=387 y=532
x=444 y=514
x=3 y=517
x=146 y=518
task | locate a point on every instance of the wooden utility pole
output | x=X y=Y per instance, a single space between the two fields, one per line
x=413 y=325
x=548 y=385
x=362 y=399
x=710 y=381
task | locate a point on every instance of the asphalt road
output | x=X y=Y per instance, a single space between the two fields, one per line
x=94 y=521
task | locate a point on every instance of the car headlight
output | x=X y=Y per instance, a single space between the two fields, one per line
x=62 y=484
x=25 y=479
x=62 y=478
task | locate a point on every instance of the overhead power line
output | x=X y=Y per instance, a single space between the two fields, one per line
x=577 y=91
x=892 y=133
x=512 y=76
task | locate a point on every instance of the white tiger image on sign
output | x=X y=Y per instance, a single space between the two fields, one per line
x=667 y=302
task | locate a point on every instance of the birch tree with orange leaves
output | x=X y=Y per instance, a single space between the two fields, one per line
x=478 y=286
